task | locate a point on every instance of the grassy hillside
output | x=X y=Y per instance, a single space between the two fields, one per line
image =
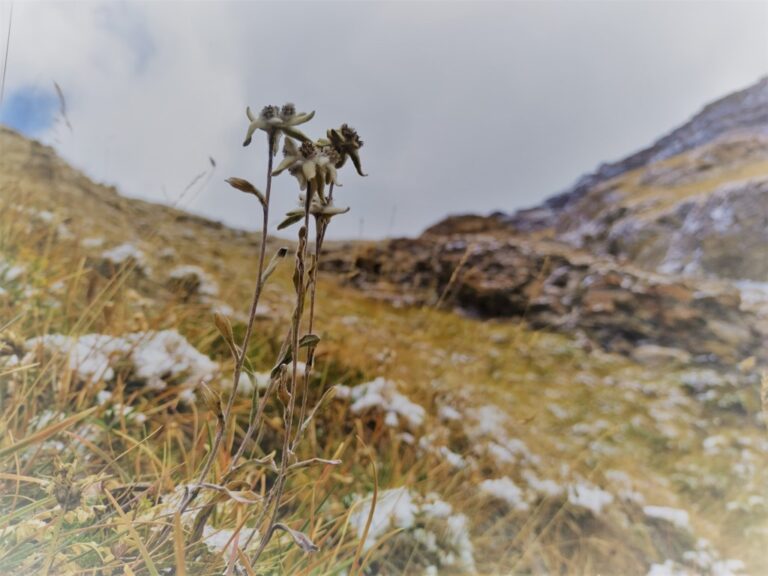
x=489 y=448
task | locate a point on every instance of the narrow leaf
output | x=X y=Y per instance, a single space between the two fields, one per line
x=309 y=340
x=225 y=329
x=313 y=462
x=247 y=187
x=299 y=538
x=290 y=219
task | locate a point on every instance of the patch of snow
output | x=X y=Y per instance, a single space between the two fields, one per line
x=89 y=356
x=159 y=355
x=674 y=516
x=45 y=216
x=206 y=286
x=714 y=444
x=505 y=489
x=125 y=253
x=588 y=496
x=546 y=487
x=557 y=411
x=669 y=568
x=13 y=273
x=490 y=421
x=92 y=242
x=448 y=413
x=156 y=357
x=167 y=253
x=395 y=508
x=217 y=538
x=383 y=395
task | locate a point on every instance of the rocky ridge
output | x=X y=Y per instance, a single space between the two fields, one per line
x=656 y=250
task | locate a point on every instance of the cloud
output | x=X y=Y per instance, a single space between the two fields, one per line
x=462 y=106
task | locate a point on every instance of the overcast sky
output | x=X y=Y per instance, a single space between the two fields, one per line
x=463 y=107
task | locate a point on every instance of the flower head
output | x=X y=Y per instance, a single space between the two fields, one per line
x=347 y=144
x=309 y=162
x=275 y=120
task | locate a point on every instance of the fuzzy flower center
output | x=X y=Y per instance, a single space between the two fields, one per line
x=288 y=110
x=307 y=150
x=269 y=112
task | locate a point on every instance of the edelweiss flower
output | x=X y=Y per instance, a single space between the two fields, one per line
x=309 y=163
x=274 y=120
x=346 y=142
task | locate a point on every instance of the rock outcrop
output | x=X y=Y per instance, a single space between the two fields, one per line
x=549 y=286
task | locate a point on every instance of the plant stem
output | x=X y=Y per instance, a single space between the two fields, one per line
x=300 y=296
x=221 y=432
x=321 y=225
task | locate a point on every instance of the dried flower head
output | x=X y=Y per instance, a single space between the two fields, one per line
x=347 y=143
x=63 y=486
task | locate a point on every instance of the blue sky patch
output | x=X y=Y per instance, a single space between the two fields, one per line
x=29 y=110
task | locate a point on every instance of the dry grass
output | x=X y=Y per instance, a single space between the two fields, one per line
x=127 y=471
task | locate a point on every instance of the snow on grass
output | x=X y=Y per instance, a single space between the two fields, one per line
x=625 y=484
x=668 y=568
x=489 y=421
x=196 y=277
x=156 y=357
x=159 y=356
x=455 y=548
x=510 y=450
x=127 y=253
x=429 y=521
x=221 y=539
x=11 y=272
x=674 y=516
x=505 y=489
x=395 y=508
x=589 y=496
x=382 y=394
x=487 y=427
x=429 y=444
x=703 y=560
x=118 y=410
x=545 y=487
x=706 y=559
x=90 y=356
x=714 y=444
x=448 y=413
x=93 y=242
x=260 y=380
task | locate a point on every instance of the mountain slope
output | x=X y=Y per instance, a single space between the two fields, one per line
x=743 y=113
x=498 y=448
x=693 y=203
